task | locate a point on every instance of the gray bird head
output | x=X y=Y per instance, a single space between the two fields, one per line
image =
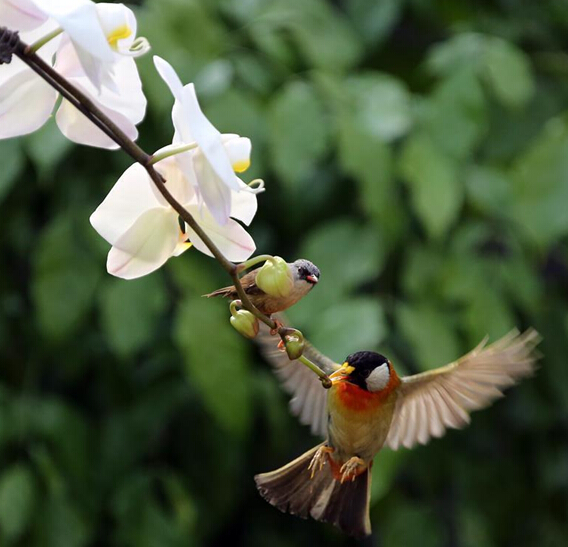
x=306 y=271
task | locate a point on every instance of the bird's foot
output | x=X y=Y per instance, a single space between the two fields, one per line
x=352 y=468
x=279 y=324
x=319 y=459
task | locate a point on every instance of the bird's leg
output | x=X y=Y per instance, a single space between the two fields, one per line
x=352 y=468
x=274 y=331
x=319 y=459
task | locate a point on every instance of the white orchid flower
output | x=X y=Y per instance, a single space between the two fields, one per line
x=21 y=15
x=100 y=34
x=27 y=101
x=212 y=164
x=144 y=230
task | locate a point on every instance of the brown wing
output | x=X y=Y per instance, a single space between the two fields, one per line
x=248 y=283
x=308 y=400
x=430 y=402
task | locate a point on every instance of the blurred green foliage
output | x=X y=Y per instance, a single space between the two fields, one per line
x=417 y=151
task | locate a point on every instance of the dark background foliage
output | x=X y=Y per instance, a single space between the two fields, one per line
x=417 y=151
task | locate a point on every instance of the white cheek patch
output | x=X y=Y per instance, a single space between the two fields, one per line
x=379 y=378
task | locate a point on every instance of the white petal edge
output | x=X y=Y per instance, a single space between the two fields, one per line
x=131 y=196
x=231 y=239
x=146 y=246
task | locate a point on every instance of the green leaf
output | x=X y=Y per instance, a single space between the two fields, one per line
x=130 y=311
x=540 y=184
x=436 y=192
x=12 y=165
x=488 y=314
x=488 y=189
x=382 y=104
x=430 y=334
x=374 y=20
x=216 y=361
x=18 y=494
x=362 y=257
x=348 y=326
x=299 y=132
x=508 y=72
x=385 y=468
x=65 y=279
x=325 y=36
x=455 y=116
x=462 y=50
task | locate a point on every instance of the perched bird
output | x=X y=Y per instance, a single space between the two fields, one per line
x=370 y=407
x=305 y=276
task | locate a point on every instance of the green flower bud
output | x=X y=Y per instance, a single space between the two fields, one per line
x=245 y=323
x=294 y=347
x=275 y=277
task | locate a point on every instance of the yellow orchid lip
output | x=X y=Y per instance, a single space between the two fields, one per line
x=119 y=33
x=342 y=373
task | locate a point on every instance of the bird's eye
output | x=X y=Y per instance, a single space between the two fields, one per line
x=365 y=373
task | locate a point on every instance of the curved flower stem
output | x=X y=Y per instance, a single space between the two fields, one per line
x=47 y=38
x=172 y=151
x=10 y=43
x=326 y=382
x=87 y=107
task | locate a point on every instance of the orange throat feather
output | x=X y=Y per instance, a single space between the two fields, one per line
x=355 y=398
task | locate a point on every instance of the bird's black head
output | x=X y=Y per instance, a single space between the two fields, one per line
x=370 y=370
x=307 y=271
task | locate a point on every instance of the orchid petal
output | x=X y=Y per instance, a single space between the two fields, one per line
x=231 y=239
x=21 y=15
x=79 y=19
x=238 y=149
x=244 y=204
x=26 y=102
x=176 y=182
x=146 y=246
x=119 y=25
x=215 y=194
x=208 y=138
x=170 y=77
x=131 y=196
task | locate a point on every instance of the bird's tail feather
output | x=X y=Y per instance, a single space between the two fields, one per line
x=292 y=490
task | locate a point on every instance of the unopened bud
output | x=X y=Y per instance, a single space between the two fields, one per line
x=275 y=277
x=245 y=323
x=294 y=346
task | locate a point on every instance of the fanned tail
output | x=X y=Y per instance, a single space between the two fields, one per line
x=292 y=490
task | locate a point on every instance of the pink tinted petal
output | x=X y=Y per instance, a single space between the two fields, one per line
x=128 y=200
x=26 y=102
x=146 y=246
x=215 y=194
x=20 y=15
x=231 y=239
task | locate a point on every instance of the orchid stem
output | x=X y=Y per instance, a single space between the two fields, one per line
x=47 y=38
x=171 y=151
x=326 y=382
x=11 y=44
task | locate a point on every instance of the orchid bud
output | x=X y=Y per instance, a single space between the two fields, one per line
x=294 y=347
x=245 y=323
x=275 y=277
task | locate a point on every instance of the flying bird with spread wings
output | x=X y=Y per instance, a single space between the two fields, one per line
x=369 y=407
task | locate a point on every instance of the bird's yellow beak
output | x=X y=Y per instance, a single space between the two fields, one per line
x=342 y=373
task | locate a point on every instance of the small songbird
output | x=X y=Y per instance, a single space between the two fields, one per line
x=370 y=407
x=305 y=276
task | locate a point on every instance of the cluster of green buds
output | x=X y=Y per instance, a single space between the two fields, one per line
x=243 y=321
